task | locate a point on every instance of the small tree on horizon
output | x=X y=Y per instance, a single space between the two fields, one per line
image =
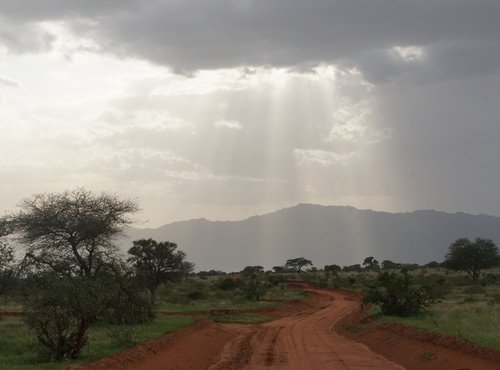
x=296 y=264
x=352 y=268
x=333 y=269
x=370 y=263
x=390 y=265
x=252 y=271
x=472 y=256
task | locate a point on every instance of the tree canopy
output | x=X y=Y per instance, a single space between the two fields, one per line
x=252 y=271
x=297 y=264
x=333 y=269
x=6 y=255
x=6 y=251
x=370 y=263
x=390 y=265
x=157 y=263
x=7 y=271
x=72 y=232
x=472 y=256
x=73 y=275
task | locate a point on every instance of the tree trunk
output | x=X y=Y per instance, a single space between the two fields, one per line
x=152 y=296
x=475 y=274
x=80 y=336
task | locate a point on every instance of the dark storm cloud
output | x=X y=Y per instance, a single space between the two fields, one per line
x=433 y=68
x=188 y=35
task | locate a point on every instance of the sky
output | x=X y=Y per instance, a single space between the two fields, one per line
x=224 y=109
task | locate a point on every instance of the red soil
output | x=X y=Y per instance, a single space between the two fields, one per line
x=10 y=314
x=306 y=335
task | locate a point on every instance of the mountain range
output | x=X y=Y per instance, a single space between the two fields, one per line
x=324 y=234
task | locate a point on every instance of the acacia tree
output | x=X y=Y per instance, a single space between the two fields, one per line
x=472 y=257
x=252 y=271
x=158 y=262
x=72 y=233
x=297 y=264
x=69 y=239
x=370 y=263
x=333 y=269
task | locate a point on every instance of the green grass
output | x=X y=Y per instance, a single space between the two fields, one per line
x=10 y=306
x=282 y=292
x=242 y=318
x=18 y=345
x=475 y=323
x=175 y=298
x=202 y=306
x=470 y=312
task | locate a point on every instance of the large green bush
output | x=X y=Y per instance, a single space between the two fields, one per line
x=396 y=294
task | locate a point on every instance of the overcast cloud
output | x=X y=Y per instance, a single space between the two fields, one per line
x=225 y=108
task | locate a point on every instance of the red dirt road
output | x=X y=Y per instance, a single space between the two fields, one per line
x=305 y=340
x=303 y=337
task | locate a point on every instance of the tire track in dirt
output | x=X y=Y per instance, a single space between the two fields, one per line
x=270 y=353
x=237 y=352
x=306 y=341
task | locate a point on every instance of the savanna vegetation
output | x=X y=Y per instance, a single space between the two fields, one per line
x=447 y=298
x=72 y=297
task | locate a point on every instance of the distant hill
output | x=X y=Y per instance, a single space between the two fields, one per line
x=323 y=234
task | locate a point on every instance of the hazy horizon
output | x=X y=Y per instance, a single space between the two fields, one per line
x=139 y=224
x=227 y=109
x=326 y=235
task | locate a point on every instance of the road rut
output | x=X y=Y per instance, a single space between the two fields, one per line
x=305 y=340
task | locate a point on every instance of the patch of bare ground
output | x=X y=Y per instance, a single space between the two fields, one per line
x=418 y=349
x=194 y=347
x=304 y=335
x=11 y=314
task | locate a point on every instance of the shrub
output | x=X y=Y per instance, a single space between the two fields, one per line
x=195 y=295
x=59 y=321
x=254 y=290
x=274 y=280
x=229 y=284
x=396 y=295
x=60 y=310
x=128 y=308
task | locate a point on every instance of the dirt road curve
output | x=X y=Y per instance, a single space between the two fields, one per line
x=303 y=337
x=305 y=340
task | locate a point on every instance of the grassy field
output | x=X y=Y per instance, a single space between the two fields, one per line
x=17 y=342
x=10 y=305
x=242 y=318
x=203 y=295
x=470 y=313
